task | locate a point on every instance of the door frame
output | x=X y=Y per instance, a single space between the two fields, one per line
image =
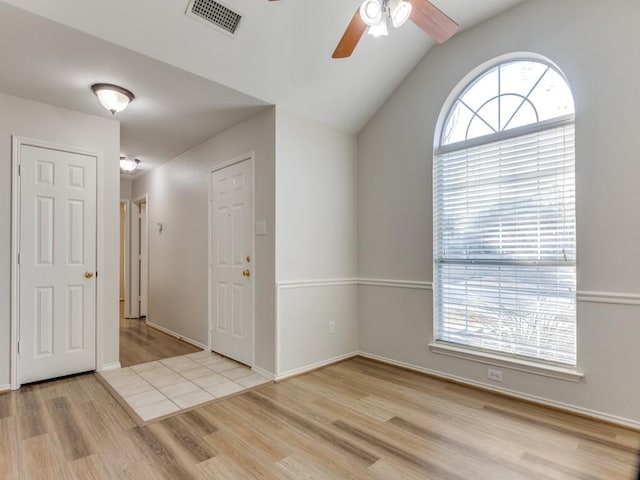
x=250 y=157
x=16 y=144
x=126 y=254
x=134 y=274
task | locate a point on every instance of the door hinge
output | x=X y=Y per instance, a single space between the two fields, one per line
x=18 y=346
x=19 y=169
x=18 y=258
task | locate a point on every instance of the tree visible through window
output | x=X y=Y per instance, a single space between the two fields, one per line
x=504 y=216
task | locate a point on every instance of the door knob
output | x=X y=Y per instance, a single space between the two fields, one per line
x=88 y=274
x=246 y=272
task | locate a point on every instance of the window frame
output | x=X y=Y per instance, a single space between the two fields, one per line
x=494 y=357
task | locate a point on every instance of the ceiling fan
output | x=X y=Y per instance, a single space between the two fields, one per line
x=373 y=17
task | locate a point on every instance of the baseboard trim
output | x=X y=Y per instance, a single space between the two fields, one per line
x=110 y=366
x=178 y=336
x=263 y=372
x=315 y=366
x=5 y=388
x=560 y=406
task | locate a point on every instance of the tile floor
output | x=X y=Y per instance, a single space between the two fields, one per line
x=159 y=388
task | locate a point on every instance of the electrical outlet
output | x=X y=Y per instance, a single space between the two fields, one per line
x=495 y=375
x=332 y=327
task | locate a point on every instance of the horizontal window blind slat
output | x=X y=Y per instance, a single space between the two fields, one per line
x=505 y=248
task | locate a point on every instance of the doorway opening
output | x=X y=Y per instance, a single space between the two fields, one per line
x=125 y=270
x=139 y=258
x=140 y=341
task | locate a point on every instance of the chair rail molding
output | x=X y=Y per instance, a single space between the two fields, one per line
x=618 y=298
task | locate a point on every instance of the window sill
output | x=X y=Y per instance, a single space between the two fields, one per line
x=550 y=371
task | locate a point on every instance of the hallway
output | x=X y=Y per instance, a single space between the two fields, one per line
x=140 y=343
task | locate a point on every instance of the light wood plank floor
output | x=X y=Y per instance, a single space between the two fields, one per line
x=354 y=420
x=141 y=344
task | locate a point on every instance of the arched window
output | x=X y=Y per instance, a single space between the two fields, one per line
x=504 y=215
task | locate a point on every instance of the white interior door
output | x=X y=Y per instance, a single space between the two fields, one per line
x=231 y=294
x=57 y=263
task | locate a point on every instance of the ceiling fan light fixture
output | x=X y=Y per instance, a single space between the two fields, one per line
x=112 y=97
x=380 y=29
x=371 y=12
x=400 y=11
x=128 y=164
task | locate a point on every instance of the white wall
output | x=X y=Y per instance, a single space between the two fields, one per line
x=316 y=185
x=48 y=123
x=126 y=186
x=178 y=257
x=395 y=208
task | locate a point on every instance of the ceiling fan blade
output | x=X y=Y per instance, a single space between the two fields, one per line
x=351 y=37
x=433 y=21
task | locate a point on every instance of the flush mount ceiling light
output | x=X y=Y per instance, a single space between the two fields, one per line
x=128 y=164
x=112 y=97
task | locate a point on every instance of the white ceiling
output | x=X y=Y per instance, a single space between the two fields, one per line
x=173 y=110
x=281 y=55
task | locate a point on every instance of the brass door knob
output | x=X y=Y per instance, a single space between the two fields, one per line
x=246 y=272
x=88 y=274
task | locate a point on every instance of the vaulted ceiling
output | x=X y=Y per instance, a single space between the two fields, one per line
x=189 y=77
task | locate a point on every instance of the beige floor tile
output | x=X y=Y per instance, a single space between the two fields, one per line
x=192 y=398
x=145 y=398
x=236 y=373
x=223 y=366
x=124 y=380
x=170 y=362
x=143 y=367
x=166 y=380
x=201 y=354
x=156 y=372
x=155 y=410
x=211 y=360
x=252 y=381
x=138 y=387
x=195 y=373
x=159 y=388
x=179 y=389
x=210 y=380
x=184 y=366
x=224 y=389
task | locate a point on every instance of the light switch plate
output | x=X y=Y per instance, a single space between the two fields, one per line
x=261 y=228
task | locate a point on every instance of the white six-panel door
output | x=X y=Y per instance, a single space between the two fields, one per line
x=57 y=263
x=231 y=294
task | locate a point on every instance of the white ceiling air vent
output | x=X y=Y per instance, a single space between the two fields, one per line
x=215 y=14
